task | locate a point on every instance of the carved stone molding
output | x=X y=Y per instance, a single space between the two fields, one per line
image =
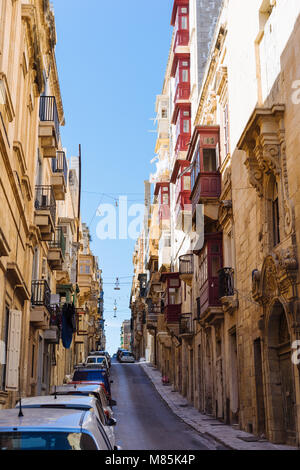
x=277 y=278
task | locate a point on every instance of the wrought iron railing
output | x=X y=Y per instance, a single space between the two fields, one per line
x=41 y=294
x=45 y=200
x=59 y=164
x=186 y=324
x=226 y=282
x=59 y=240
x=186 y=264
x=48 y=112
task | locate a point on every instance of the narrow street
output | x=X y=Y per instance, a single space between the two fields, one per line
x=144 y=421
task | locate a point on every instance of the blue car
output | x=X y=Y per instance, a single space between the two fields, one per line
x=92 y=374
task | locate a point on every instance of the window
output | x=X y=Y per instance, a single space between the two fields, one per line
x=186 y=126
x=184 y=22
x=186 y=186
x=46 y=441
x=185 y=75
x=226 y=130
x=209 y=160
x=164 y=113
x=275 y=216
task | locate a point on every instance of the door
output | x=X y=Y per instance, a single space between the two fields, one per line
x=287 y=392
x=40 y=365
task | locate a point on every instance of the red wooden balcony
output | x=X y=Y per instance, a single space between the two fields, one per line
x=180 y=7
x=182 y=38
x=172 y=313
x=162 y=190
x=183 y=204
x=171 y=295
x=210 y=263
x=208 y=186
x=183 y=91
x=204 y=156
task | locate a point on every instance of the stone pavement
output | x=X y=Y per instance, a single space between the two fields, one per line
x=230 y=437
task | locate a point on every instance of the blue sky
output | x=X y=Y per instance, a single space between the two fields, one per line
x=111 y=58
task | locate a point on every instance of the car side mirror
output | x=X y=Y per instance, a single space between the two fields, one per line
x=112 y=403
x=111 y=422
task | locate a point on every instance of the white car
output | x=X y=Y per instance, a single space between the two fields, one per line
x=73 y=402
x=98 y=360
x=127 y=356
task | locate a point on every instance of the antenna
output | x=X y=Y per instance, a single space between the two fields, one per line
x=20 y=402
x=20 y=408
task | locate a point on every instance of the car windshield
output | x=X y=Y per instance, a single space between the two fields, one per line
x=89 y=375
x=94 y=360
x=46 y=441
x=127 y=354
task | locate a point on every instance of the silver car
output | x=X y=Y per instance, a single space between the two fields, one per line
x=88 y=390
x=51 y=429
x=127 y=356
x=74 y=402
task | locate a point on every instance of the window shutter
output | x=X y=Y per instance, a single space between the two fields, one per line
x=13 y=350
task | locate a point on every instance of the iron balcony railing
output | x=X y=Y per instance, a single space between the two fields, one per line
x=186 y=324
x=48 y=112
x=59 y=240
x=45 y=200
x=41 y=294
x=186 y=264
x=59 y=164
x=226 y=282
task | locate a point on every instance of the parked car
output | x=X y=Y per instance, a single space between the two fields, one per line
x=102 y=353
x=127 y=356
x=52 y=429
x=98 y=360
x=74 y=402
x=92 y=373
x=95 y=390
x=119 y=352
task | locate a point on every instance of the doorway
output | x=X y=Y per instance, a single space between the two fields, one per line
x=282 y=388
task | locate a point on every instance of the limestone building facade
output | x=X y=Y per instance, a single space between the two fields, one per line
x=228 y=317
x=41 y=230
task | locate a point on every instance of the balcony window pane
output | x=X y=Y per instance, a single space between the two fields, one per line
x=185 y=75
x=184 y=22
x=215 y=265
x=209 y=160
x=186 y=183
x=186 y=126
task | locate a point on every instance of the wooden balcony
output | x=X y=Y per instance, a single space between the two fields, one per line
x=59 y=176
x=207 y=190
x=182 y=93
x=172 y=313
x=49 y=132
x=183 y=212
x=182 y=38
